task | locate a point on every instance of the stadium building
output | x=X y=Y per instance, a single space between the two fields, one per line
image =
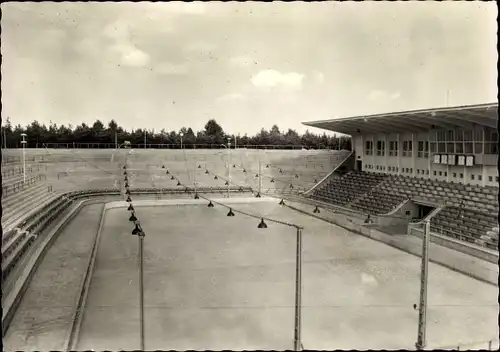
x=435 y=163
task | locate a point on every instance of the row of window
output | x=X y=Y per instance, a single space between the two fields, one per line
x=490 y=135
x=409 y=170
x=424 y=147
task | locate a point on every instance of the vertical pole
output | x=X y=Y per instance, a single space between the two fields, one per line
x=422 y=311
x=260 y=177
x=194 y=179
x=116 y=140
x=228 y=166
x=298 y=292
x=141 y=287
x=23 y=142
x=145 y=136
x=24 y=163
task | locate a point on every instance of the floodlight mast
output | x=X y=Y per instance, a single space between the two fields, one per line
x=23 y=142
x=228 y=164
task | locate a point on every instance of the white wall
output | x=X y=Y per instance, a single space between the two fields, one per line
x=420 y=167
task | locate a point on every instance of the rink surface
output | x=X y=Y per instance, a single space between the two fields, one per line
x=214 y=282
x=217 y=282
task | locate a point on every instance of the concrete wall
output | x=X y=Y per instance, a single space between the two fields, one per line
x=483 y=174
x=480 y=269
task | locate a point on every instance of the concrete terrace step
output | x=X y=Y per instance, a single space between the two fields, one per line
x=22 y=205
x=14 y=197
x=31 y=208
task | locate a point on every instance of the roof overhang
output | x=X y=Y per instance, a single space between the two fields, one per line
x=463 y=117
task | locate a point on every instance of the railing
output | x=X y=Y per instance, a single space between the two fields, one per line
x=19 y=170
x=416 y=228
x=178 y=146
x=20 y=185
x=490 y=345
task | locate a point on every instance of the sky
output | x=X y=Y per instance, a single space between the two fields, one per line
x=247 y=65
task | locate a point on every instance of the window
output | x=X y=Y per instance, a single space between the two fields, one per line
x=369 y=148
x=433 y=147
x=407 y=148
x=480 y=177
x=434 y=172
x=380 y=148
x=491 y=148
x=454 y=175
x=461 y=175
x=445 y=173
x=478 y=148
x=440 y=173
x=366 y=166
x=393 y=148
x=426 y=149
x=468 y=136
x=459 y=135
x=420 y=149
x=450 y=148
x=459 y=147
x=441 y=147
x=472 y=177
x=427 y=172
x=496 y=178
x=411 y=170
x=478 y=134
x=468 y=148
x=418 y=171
x=450 y=136
x=441 y=136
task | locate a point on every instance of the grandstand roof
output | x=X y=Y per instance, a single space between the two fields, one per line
x=414 y=121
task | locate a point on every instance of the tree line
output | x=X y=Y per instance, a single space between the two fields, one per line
x=213 y=134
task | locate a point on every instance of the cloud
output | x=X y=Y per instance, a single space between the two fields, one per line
x=243 y=61
x=273 y=78
x=382 y=95
x=200 y=46
x=231 y=97
x=168 y=68
x=319 y=77
x=130 y=55
x=119 y=33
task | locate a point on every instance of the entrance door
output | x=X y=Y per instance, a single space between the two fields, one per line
x=359 y=165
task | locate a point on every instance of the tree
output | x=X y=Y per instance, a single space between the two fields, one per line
x=214 y=132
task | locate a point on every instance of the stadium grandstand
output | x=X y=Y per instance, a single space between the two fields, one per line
x=435 y=164
x=405 y=168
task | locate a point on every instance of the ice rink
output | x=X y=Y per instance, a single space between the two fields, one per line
x=217 y=282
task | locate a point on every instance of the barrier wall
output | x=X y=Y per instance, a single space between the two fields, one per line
x=476 y=268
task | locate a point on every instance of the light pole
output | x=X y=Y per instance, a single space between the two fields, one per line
x=422 y=308
x=23 y=142
x=182 y=135
x=297 y=343
x=138 y=231
x=228 y=163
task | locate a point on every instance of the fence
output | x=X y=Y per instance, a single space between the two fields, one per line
x=18 y=186
x=175 y=146
x=19 y=170
x=490 y=345
x=454 y=235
